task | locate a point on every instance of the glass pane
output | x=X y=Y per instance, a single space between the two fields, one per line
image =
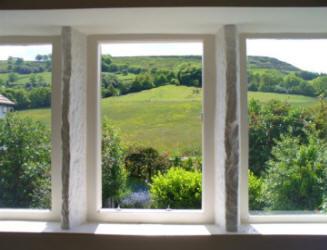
x=25 y=131
x=287 y=87
x=151 y=125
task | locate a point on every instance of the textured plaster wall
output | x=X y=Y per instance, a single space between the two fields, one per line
x=227 y=129
x=74 y=128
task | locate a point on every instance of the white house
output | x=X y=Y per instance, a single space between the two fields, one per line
x=5 y=106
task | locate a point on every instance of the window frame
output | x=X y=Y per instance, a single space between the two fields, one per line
x=52 y=214
x=245 y=215
x=95 y=210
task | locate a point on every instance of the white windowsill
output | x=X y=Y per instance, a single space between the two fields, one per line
x=163 y=230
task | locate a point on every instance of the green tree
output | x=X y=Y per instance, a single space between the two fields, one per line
x=190 y=75
x=144 y=162
x=296 y=175
x=113 y=171
x=267 y=122
x=106 y=60
x=142 y=82
x=40 y=97
x=20 y=96
x=320 y=86
x=25 y=163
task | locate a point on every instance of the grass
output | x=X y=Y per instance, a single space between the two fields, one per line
x=167 y=118
x=22 y=79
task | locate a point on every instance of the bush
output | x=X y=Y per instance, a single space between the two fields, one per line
x=296 y=176
x=256 y=201
x=113 y=172
x=24 y=163
x=143 y=162
x=177 y=188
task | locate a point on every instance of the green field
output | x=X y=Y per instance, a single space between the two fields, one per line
x=22 y=79
x=167 y=118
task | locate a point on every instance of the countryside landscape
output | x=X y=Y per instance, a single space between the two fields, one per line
x=152 y=133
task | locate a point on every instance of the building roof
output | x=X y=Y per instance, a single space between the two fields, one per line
x=5 y=100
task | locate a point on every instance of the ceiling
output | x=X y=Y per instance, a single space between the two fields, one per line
x=196 y=20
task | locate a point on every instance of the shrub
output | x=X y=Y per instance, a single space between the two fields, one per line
x=24 y=163
x=296 y=176
x=177 y=188
x=144 y=162
x=256 y=201
x=113 y=172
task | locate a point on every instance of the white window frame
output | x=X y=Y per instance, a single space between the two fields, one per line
x=95 y=210
x=52 y=214
x=246 y=217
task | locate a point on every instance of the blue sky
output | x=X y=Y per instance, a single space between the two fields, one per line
x=305 y=54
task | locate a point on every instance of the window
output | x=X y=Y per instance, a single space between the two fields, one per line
x=150 y=119
x=29 y=127
x=286 y=97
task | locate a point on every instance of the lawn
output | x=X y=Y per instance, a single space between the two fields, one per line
x=167 y=118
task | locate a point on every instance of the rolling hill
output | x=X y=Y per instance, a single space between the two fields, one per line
x=167 y=118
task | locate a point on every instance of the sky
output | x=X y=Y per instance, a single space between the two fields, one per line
x=310 y=55
x=307 y=54
x=27 y=52
x=152 y=49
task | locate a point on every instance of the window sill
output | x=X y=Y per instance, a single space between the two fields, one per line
x=164 y=230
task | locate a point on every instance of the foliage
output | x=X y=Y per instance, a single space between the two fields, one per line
x=24 y=163
x=188 y=163
x=177 y=188
x=256 y=200
x=268 y=121
x=144 y=162
x=320 y=86
x=190 y=75
x=296 y=176
x=142 y=82
x=113 y=172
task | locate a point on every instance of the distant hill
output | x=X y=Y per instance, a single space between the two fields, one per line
x=265 y=62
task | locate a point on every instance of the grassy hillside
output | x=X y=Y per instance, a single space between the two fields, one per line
x=23 y=79
x=167 y=117
x=167 y=62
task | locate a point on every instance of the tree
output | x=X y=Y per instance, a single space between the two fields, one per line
x=25 y=163
x=142 y=82
x=20 y=96
x=320 y=86
x=40 y=97
x=296 y=176
x=190 y=75
x=39 y=58
x=144 y=162
x=13 y=77
x=113 y=172
x=106 y=60
x=267 y=122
